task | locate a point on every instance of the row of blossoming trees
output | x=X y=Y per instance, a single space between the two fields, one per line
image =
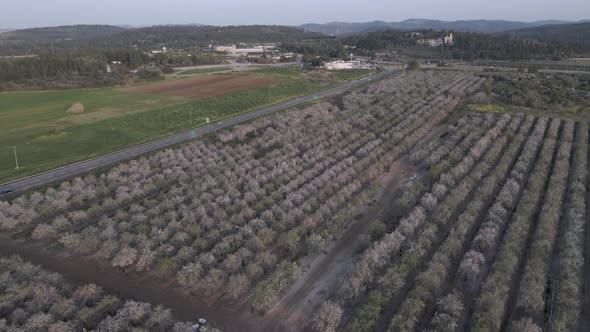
x=33 y=299
x=495 y=243
x=232 y=216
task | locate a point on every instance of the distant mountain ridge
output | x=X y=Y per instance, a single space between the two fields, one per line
x=577 y=33
x=75 y=32
x=38 y=40
x=485 y=26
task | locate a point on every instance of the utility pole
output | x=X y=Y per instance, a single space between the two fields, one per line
x=269 y=94
x=15 y=157
x=190 y=116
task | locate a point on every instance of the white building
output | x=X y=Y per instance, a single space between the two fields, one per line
x=435 y=42
x=225 y=49
x=449 y=39
x=233 y=50
x=340 y=65
x=164 y=49
x=431 y=42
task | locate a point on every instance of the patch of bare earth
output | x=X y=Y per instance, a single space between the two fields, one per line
x=201 y=87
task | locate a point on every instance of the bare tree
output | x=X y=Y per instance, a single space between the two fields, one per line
x=328 y=317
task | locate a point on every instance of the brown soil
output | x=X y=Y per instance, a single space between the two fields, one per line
x=201 y=87
x=317 y=282
x=129 y=286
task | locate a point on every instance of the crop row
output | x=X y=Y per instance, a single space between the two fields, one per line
x=531 y=294
x=470 y=270
x=491 y=304
x=430 y=282
x=568 y=278
x=401 y=274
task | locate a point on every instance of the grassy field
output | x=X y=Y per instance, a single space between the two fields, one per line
x=203 y=70
x=47 y=137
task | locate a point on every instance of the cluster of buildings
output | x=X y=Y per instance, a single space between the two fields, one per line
x=269 y=52
x=254 y=50
x=436 y=42
x=163 y=50
x=266 y=52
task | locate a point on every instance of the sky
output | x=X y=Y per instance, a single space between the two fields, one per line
x=36 y=13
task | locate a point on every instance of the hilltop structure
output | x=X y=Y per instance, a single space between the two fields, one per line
x=436 y=42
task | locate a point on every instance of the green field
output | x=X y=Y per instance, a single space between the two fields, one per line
x=47 y=137
x=203 y=70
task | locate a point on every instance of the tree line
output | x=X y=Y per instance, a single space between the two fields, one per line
x=73 y=69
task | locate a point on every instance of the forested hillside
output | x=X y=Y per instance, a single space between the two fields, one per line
x=468 y=46
x=577 y=35
x=34 y=41
x=191 y=36
x=484 y=26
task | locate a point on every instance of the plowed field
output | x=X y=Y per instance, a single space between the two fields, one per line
x=204 y=86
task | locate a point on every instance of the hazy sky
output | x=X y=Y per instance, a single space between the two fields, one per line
x=30 y=13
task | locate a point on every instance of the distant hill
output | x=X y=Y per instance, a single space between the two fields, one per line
x=129 y=26
x=200 y=35
x=39 y=40
x=33 y=41
x=484 y=26
x=578 y=33
x=68 y=32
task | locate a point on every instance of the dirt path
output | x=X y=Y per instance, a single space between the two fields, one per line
x=293 y=312
x=79 y=270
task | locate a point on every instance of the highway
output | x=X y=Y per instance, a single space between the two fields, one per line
x=75 y=169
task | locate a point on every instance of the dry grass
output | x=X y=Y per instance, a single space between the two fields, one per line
x=76 y=108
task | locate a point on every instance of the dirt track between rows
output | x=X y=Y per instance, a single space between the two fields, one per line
x=200 y=87
x=296 y=308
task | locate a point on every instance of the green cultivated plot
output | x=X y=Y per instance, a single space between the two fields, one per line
x=48 y=132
